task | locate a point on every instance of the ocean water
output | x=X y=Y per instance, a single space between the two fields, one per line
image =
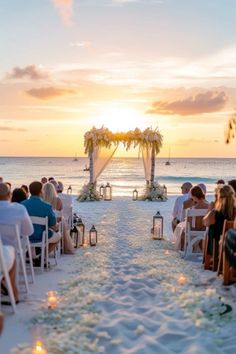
x=124 y=174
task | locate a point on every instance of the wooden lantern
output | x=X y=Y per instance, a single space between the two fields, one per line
x=108 y=192
x=74 y=234
x=93 y=236
x=135 y=195
x=101 y=191
x=158 y=226
x=81 y=229
x=69 y=190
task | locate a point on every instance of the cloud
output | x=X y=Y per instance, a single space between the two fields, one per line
x=84 y=44
x=47 y=93
x=207 y=102
x=65 y=9
x=32 y=72
x=13 y=129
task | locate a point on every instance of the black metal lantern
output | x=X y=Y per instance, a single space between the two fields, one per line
x=158 y=226
x=93 y=236
x=81 y=228
x=69 y=190
x=108 y=192
x=74 y=234
x=135 y=195
x=101 y=191
x=165 y=191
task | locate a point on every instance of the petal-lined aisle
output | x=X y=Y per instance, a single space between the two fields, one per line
x=129 y=295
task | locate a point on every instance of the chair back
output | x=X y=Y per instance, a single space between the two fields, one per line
x=10 y=235
x=193 y=214
x=227 y=225
x=43 y=221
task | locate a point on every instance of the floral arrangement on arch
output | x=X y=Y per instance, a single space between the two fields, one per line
x=154 y=192
x=105 y=138
x=89 y=193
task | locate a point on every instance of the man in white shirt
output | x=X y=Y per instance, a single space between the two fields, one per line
x=178 y=206
x=13 y=213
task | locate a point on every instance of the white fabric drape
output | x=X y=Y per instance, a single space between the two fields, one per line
x=147 y=161
x=101 y=157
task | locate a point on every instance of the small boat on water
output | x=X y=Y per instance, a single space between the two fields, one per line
x=86 y=168
x=75 y=158
x=167 y=163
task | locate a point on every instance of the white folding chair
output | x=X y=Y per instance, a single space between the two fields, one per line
x=43 y=244
x=59 y=215
x=193 y=236
x=11 y=236
x=4 y=273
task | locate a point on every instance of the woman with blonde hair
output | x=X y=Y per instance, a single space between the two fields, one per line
x=224 y=209
x=50 y=196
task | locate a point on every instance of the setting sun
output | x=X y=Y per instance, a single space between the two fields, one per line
x=117 y=118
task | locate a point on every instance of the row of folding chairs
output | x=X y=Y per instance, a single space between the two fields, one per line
x=217 y=262
x=10 y=234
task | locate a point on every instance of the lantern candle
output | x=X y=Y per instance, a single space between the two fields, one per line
x=93 y=236
x=158 y=226
x=39 y=349
x=52 y=299
x=81 y=231
x=101 y=191
x=75 y=236
x=108 y=192
x=135 y=195
x=182 y=280
x=167 y=252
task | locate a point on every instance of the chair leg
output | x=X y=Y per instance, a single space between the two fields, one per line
x=30 y=260
x=22 y=261
x=215 y=255
x=10 y=291
x=226 y=271
x=220 y=262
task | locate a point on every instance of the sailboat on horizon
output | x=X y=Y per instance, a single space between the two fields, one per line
x=168 y=161
x=75 y=158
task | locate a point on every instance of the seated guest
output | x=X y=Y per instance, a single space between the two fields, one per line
x=189 y=203
x=44 y=180
x=13 y=213
x=178 y=206
x=18 y=195
x=220 y=183
x=50 y=196
x=199 y=202
x=1 y=179
x=51 y=179
x=232 y=183
x=36 y=206
x=25 y=189
x=225 y=209
x=65 y=198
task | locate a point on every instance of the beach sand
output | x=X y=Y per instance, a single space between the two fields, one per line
x=127 y=295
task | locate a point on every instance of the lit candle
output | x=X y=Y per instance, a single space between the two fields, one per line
x=156 y=232
x=52 y=299
x=167 y=252
x=39 y=349
x=182 y=280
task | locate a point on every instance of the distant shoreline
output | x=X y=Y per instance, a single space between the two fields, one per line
x=120 y=157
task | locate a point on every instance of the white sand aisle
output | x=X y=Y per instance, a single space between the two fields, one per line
x=124 y=296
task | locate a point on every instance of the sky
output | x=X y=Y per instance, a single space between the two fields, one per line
x=69 y=65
